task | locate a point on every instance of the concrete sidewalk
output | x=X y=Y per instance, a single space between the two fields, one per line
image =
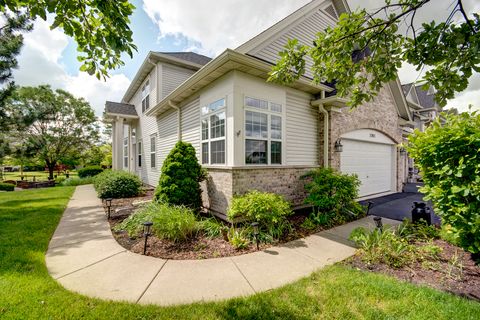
x=84 y=257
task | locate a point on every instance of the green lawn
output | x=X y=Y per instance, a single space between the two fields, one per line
x=39 y=175
x=28 y=219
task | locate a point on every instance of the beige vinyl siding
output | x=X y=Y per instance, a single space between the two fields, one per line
x=304 y=31
x=302 y=141
x=191 y=124
x=167 y=135
x=172 y=77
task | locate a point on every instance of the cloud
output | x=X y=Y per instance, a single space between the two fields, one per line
x=40 y=63
x=212 y=26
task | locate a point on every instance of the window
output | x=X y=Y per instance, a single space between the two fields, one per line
x=153 y=151
x=139 y=153
x=213 y=133
x=263 y=132
x=125 y=152
x=146 y=96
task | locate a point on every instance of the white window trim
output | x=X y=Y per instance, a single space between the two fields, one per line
x=269 y=139
x=209 y=140
x=126 y=153
x=153 y=152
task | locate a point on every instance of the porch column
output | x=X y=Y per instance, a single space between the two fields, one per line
x=117 y=144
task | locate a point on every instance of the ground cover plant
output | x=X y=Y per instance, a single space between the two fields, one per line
x=73 y=182
x=29 y=218
x=416 y=252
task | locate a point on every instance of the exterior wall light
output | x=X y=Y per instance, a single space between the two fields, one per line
x=147 y=231
x=403 y=151
x=108 y=203
x=338 y=146
x=378 y=223
x=256 y=233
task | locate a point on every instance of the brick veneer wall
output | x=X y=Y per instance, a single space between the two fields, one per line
x=379 y=114
x=222 y=184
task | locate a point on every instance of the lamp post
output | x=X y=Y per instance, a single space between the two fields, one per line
x=108 y=203
x=147 y=229
x=378 y=223
x=256 y=233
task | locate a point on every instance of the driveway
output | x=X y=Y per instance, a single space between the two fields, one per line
x=398 y=206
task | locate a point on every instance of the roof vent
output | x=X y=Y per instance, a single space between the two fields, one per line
x=331 y=11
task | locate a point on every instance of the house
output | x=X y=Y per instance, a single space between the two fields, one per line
x=424 y=110
x=251 y=134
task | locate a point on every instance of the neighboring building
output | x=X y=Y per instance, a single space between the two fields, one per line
x=251 y=134
x=424 y=110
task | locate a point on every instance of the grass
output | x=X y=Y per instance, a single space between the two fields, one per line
x=29 y=218
x=39 y=175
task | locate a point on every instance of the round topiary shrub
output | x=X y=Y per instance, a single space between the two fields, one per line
x=180 y=179
x=117 y=184
x=7 y=187
x=90 y=171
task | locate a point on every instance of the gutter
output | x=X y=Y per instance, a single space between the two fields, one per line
x=326 y=125
x=179 y=119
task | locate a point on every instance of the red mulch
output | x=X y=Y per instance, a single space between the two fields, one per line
x=454 y=272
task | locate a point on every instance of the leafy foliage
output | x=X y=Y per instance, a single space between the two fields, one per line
x=448 y=157
x=365 y=50
x=6 y=187
x=268 y=209
x=332 y=195
x=100 y=28
x=238 y=238
x=211 y=227
x=50 y=124
x=89 y=171
x=174 y=223
x=180 y=178
x=117 y=184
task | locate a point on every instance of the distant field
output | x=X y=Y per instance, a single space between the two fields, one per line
x=39 y=175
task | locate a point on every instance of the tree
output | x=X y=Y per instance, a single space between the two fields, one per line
x=100 y=28
x=448 y=157
x=51 y=124
x=365 y=50
x=11 y=41
x=179 y=182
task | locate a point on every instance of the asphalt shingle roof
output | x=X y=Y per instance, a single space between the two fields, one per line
x=120 y=108
x=425 y=99
x=190 y=57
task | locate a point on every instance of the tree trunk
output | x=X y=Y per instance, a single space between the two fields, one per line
x=51 y=168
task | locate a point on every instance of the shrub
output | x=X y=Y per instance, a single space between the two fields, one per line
x=7 y=187
x=73 y=182
x=211 y=227
x=268 y=209
x=59 y=180
x=332 y=195
x=447 y=155
x=179 y=182
x=133 y=225
x=418 y=231
x=175 y=223
x=90 y=171
x=117 y=184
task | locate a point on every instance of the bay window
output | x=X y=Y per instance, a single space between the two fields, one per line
x=213 y=133
x=263 y=132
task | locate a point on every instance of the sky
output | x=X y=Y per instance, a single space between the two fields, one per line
x=204 y=26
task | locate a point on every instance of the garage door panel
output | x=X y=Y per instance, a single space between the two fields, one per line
x=372 y=162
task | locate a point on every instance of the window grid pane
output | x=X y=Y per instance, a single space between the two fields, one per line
x=205 y=153
x=276 y=152
x=218 y=152
x=217 y=126
x=256 y=103
x=275 y=107
x=256 y=125
x=256 y=152
x=139 y=154
x=276 y=127
x=205 y=129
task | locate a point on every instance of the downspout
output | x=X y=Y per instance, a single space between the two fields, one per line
x=326 y=126
x=179 y=119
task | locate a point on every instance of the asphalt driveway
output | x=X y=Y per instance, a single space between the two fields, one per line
x=398 y=206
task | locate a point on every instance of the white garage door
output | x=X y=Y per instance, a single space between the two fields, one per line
x=372 y=162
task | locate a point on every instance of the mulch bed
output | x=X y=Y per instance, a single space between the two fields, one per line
x=454 y=272
x=200 y=247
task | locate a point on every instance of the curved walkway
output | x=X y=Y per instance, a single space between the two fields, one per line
x=84 y=257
